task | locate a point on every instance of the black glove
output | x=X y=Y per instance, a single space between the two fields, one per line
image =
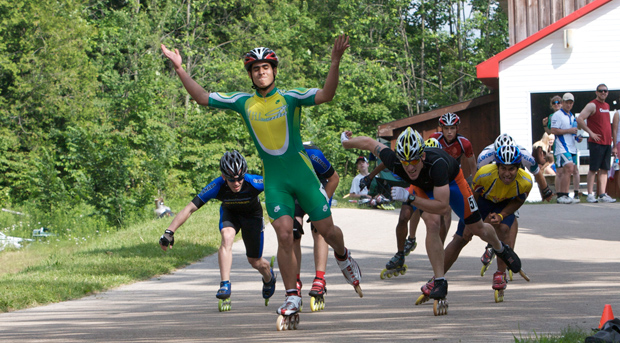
x=167 y=239
x=365 y=182
x=547 y=193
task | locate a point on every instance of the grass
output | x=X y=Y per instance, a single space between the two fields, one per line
x=69 y=267
x=568 y=335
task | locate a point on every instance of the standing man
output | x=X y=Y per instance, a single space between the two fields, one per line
x=564 y=127
x=598 y=127
x=272 y=117
x=240 y=210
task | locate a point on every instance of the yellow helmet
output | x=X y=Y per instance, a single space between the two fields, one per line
x=432 y=143
x=409 y=145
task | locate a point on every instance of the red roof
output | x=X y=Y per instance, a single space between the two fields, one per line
x=488 y=71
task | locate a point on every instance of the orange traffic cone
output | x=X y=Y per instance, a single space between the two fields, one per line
x=608 y=314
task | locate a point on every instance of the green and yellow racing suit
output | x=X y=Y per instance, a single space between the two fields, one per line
x=274 y=125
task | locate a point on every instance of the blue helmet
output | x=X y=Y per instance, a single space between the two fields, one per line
x=508 y=154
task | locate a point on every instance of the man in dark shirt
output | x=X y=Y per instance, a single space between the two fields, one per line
x=241 y=210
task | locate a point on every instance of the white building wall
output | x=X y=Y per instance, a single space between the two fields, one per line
x=546 y=66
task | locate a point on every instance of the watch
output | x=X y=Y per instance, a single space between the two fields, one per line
x=410 y=198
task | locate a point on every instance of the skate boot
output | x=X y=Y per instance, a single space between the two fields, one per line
x=224 y=304
x=351 y=272
x=426 y=291
x=317 y=292
x=269 y=287
x=487 y=259
x=499 y=285
x=301 y=303
x=510 y=258
x=438 y=293
x=288 y=316
x=396 y=265
x=410 y=245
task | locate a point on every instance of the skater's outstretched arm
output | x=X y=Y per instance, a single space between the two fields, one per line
x=331 y=83
x=180 y=218
x=199 y=94
x=361 y=142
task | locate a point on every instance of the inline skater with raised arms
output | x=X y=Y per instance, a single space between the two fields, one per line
x=240 y=210
x=272 y=117
x=437 y=183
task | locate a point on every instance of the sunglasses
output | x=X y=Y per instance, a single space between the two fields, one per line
x=235 y=179
x=555 y=102
x=412 y=162
x=602 y=90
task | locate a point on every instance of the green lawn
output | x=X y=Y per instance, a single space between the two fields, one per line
x=59 y=269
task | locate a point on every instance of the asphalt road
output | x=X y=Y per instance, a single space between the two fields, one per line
x=571 y=252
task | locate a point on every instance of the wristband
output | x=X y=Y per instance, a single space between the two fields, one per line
x=500 y=215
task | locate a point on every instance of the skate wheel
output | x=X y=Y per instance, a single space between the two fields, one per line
x=314 y=306
x=510 y=274
x=267 y=302
x=404 y=270
x=224 y=305
x=294 y=321
x=440 y=307
x=281 y=323
x=322 y=304
x=523 y=275
x=273 y=259
x=383 y=274
x=484 y=269
x=499 y=295
x=421 y=299
x=358 y=289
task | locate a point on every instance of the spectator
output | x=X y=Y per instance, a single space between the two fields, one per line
x=564 y=128
x=362 y=168
x=598 y=126
x=543 y=153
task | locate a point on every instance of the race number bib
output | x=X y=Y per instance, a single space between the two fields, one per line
x=473 y=206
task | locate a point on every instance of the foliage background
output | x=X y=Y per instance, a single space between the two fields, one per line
x=94 y=123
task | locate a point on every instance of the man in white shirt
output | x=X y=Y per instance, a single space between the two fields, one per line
x=362 y=167
x=564 y=127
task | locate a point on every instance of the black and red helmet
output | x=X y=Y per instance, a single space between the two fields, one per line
x=449 y=119
x=260 y=54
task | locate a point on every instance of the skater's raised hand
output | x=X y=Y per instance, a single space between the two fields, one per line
x=174 y=57
x=340 y=45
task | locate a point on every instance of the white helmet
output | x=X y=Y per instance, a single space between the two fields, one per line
x=449 y=119
x=409 y=145
x=503 y=139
